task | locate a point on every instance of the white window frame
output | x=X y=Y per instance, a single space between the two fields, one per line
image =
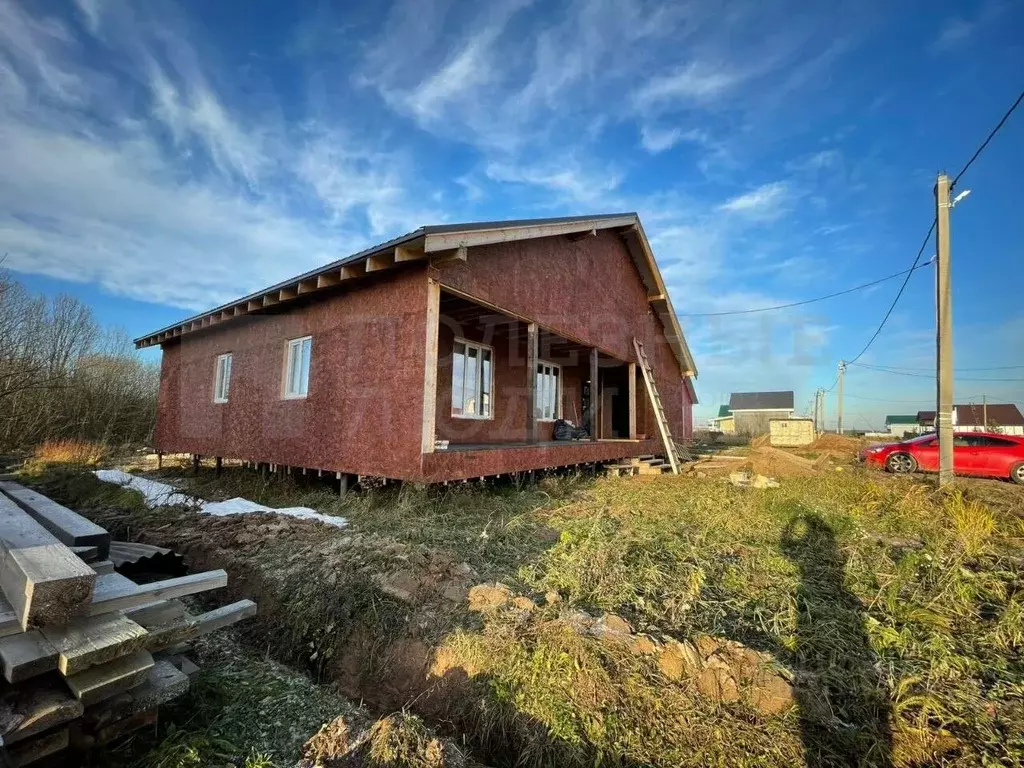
x=489 y=416
x=222 y=378
x=293 y=353
x=558 y=390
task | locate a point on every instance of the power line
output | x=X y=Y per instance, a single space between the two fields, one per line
x=892 y=306
x=932 y=368
x=800 y=303
x=880 y=369
x=989 y=138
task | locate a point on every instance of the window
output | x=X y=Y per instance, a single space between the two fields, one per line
x=222 y=379
x=472 y=380
x=296 y=377
x=549 y=392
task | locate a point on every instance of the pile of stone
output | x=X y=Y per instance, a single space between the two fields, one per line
x=87 y=654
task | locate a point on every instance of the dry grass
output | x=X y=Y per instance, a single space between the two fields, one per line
x=74 y=452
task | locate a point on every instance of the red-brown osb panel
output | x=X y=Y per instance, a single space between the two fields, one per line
x=363 y=412
x=588 y=290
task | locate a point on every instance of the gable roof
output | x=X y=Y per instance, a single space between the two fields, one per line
x=723 y=411
x=900 y=420
x=926 y=418
x=761 y=401
x=453 y=240
x=998 y=414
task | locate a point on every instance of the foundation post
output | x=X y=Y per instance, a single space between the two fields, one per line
x=594 y=395
x=195 y=463
x=159 y=460
x=531 y=382
x=632 y=401
x=218 y=466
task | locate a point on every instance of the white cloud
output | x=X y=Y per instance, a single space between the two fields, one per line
x=568 y=180
x=766 y=202
x=692 y=82
x=954 y=33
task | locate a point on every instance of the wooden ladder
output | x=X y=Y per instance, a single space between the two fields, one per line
x=659 y=410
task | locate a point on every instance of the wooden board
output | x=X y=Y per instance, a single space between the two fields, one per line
x=162 y=638
x=126 y=726
x=103 y=567
x=86 y=553
x=105 y=680
x=30 y=709
x=94 y=640
x=41 y=578
x=26 y=655
x=163 y=683
x=69 y=527
x=157 y=613
x=9 y=622
x=33 y=750
x=113 y=595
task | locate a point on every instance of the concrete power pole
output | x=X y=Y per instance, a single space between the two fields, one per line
x=943 y=333
x=839 y=398
x=984 y=412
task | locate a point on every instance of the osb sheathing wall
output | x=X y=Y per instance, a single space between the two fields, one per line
x=363 y=412
x=588 y=290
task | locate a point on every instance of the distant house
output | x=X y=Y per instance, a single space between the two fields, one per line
x=724 y=421
x=752 y=411
x=898 y=426
x=974 y=417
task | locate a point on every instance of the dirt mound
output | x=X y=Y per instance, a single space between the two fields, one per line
x=396 y=741
x=838 y=443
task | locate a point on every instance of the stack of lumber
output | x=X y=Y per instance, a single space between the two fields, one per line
x=87 y=655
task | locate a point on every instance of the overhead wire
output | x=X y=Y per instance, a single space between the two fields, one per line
x=988 y=138
x=881 y=369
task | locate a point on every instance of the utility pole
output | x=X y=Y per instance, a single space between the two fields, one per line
x=817 y=405
x=984 y=412
x=943 y=333
x=839 y=397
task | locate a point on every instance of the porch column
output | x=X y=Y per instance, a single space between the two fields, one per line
x=632 y=401
x=595 y=394
x=430 y=364
x=531 y=382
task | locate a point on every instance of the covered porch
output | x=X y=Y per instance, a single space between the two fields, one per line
x=497 y=383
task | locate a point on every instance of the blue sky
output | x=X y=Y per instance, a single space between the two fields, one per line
x=161 y=158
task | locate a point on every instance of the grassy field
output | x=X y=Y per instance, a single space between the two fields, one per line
x=893 y=610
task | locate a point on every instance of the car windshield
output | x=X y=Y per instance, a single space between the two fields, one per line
x=920 y=439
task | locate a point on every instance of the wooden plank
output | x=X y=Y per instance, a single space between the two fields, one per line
x=124 y=727
x=118 y=596
x=595 y=394
x=40 y=577
x=103 y=567
x=157 y=613
x=433 y=320
x=380 y=262
x=504 y=234
x=33 y=750
x=88 y=554
x=407 y=253
x=26 y=655
x=28 y=710
x=162 y=638
x=632 y=401
x=9 y=623
x=452 y=256
x=164 y=683
x=106 y=680
x=94 y=640
x=532 y=337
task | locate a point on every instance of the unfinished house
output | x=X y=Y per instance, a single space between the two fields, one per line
x=445 y=354
x=753 y=412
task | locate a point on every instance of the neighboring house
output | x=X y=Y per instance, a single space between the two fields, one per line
x=752 y=411
x=724 y=421
x=974 y=417
x=898 y=426
x=444 y=354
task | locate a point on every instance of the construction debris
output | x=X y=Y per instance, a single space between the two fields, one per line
x=85 y=651
x=747 y=479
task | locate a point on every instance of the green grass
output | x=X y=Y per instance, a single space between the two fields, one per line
x=896 y=608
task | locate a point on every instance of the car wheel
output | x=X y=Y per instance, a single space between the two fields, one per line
x=901 y=464
x=1017 y=473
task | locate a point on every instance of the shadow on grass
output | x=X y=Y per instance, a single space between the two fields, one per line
x=852 y=725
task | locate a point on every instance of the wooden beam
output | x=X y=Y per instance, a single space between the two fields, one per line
x=157 y=613
x=240 y=309
x=433 y=323
x=114 y=596
x=446 y=240
x=532 y=338
x=70 y=528
x=271 y=298
x=352 y=271
x=94 y=640
x=103 y=567
x=286 y=294
x=26 y=655
x=106 y=680
x=253 y=304
x=577 y=236
x=328 y=279
x=34 y=750
x=408 y=253
x=34 y=709
x=595 y=395
x=380 y=261
x=41 y=578
x=161 y=638
x=450 y=256
x=632 y=401
x=307 y=286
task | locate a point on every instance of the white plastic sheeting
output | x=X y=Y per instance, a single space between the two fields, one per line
x=159 y=494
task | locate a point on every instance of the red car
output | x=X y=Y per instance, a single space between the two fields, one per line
x=974 y=453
